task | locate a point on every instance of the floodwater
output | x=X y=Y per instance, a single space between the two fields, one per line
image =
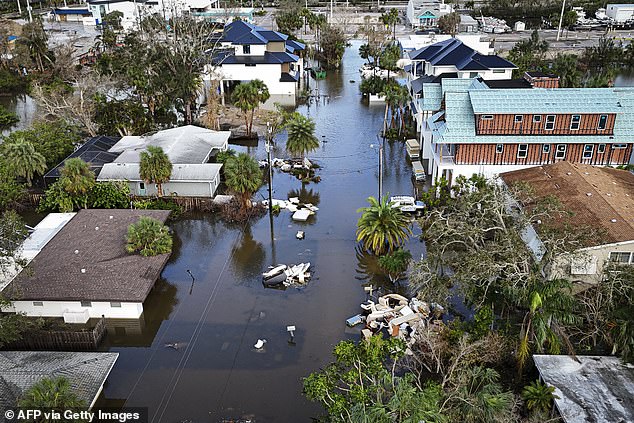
x=216 y=317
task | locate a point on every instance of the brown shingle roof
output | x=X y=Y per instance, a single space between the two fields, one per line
x=111 y=273
x=597 y=196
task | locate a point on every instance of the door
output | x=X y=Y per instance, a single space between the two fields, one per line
x=141 y=188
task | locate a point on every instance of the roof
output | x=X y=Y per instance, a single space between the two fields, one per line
x=93 y=240
x=542 y=101
x=596 y=196
x=520 y=83
x=453 y=52
x=183 y=145
x=538 y=74
x=287 y=77
x=85 y=371
x=240 y=32
x=589 y=388
x=71 y=11
x=292 y=46
x=207 y=172
x=228 y=57
x=94 y=152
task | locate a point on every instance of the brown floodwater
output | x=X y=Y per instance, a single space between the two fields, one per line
x=215 y=318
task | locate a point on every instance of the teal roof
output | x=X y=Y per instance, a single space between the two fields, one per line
x=542 y=101
x=427 y=14
x=458 y=126
x=432 y=97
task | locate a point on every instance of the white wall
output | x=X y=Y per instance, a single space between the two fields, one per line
x=57 y=309
x=255 y=50
x=620 y=12
x=128 y=9
x=489 y=171
x=183 y=189
x=269 y=74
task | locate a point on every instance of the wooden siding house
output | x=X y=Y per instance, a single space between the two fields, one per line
x=489 y=131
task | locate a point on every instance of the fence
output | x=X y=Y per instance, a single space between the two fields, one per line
x=43 y=340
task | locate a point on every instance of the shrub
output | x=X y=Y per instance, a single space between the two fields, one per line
x=109 y=195
x=149 y=237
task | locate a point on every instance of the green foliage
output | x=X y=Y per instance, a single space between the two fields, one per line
x=372 y=85
x=301 y=134
x=382 y=228
x=448 y=23
x=566 y=67
x=109 y=195
x=155 y=167
x=77 y=179
x=391 y=18
x=11 y=82
x=122 y=117
x=11 y=191
x=529 y=54
x=389 y=56
x=12 y=233
x=538 y=396
x=149 y=237
x=54 y=393
x=243 y=176
x=54 y=140
x=223 y=156
x=56 y=199
x=159 y=204
x=22 y=159
x=395 y=263
x=7 y=119
x=248 y=96
x=438 y=195
x=332 y=46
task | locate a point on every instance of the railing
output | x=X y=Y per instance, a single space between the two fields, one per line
x=62 y=340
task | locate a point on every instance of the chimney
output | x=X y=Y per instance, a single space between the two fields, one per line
x=541 y=80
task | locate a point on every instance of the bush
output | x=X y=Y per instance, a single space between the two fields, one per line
x=11 y=82
x=159 y=204
x=149 y=237
x=372 y=85
x=7 y=119
x=109 y=195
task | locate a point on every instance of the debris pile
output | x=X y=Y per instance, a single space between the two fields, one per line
x=396 y=314
x=287 y=275
x=303 y=169
x=301 y=211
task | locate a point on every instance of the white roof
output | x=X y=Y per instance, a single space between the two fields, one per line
x=33 y=244
x=186 y=144
x=590 y=388
x=206 y=172
x=198 y=4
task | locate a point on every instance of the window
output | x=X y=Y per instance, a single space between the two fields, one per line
x=250 y=65
x=588 y=149
x=522 y=151
x=86 y=304
x=473 y=74
x=499 y=70
x=603 y=121
x=550 y=123
x=487 y=117
x=38 y=304
x=574 y=122
x=621 y=257
x=141 y=185
x=601 y=149
x=499 y=148
x=246 y=49
x=546 y=148
x=618 y=146
x=560 y=152
x=537 y=118
x=519 y=118
x=115 y=304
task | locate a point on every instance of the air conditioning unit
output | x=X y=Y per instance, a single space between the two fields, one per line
x=583 y=265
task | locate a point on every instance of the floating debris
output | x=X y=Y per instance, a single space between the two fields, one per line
x=299 y=235
x=259 y=344
x=288 y=275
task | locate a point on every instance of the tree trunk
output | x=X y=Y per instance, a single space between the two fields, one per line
x=188 y=112
x=246 y=122
x=159 y=190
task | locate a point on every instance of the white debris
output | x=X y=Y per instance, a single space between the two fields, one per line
x=259 y=344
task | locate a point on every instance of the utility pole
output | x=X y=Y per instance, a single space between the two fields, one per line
x=380 y=169
x=269 y=137
x=19 y=8
x=28 y=7
x=561 y=19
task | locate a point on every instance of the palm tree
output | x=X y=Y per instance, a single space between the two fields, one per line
x=149 y=237
x=23 y=160
x=155 y=167
x=51 y=393
x=247 y=96
x=391 y=18
x=365 y=51
x=243 y=176
x=301 y=135
x=382 y=228
x=77 y=178
x=395 y=263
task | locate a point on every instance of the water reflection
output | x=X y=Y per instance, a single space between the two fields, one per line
x=248 y=256
x=22 y=105
x=305 y=195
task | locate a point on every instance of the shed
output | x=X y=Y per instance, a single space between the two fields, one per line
x=519 y=26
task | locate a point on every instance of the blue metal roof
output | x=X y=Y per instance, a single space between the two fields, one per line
x=272 y=35
x=292 y=46
x=240 y=32
x=269 y=58
x=69 y=11
x=453 y=52
x=540 y=100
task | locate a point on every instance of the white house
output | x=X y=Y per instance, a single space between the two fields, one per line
x=83 y=271
x=414 y=42
x=620 y=12
x=189 y=149
x=250 y=52
x=598 y=197
x=425 y=13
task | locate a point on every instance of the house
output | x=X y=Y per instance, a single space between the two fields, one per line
x=86 y=373
x=223 y=15
x=423 y=14
x=249 y=52
x=82 y=270
x=597 y=197
x=189 y=149
x=94 y=152
x=412 y=42
x=70 y=14
x=468 y=24
x=589 y=388
x=620 y=12
x=487 y=131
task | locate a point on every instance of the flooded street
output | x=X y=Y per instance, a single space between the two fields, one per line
x=215 y=373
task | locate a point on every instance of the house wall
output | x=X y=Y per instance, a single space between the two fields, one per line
x=620 y=12
x=485 y=154
x=506 y=124
x=182 y=189
x=254 y=50
x=599 y=256
x=279 y=46
x=57 y=309
x=269 y=74
x=128 y=9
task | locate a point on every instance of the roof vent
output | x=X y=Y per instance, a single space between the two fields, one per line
x=83 y=270
x=589 y=194
x=608 y=194
x=111 y=217
x=568 y=173
x=613 y=220
x=76 y=251
x=96 y=228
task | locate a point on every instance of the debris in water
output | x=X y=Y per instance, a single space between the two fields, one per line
x=258 y=345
